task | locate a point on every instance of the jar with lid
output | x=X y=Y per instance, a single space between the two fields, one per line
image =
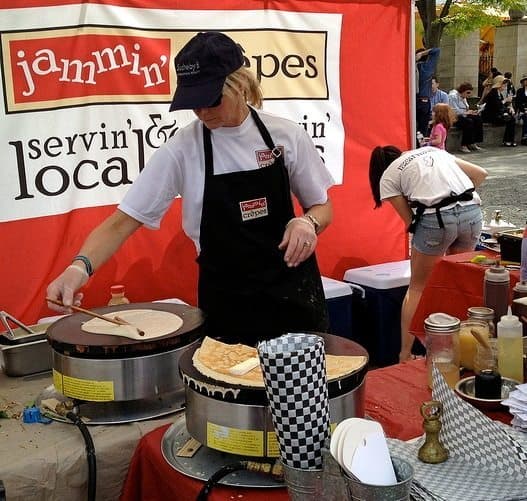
x=519 y=290
x=468 y=342
x=496 y=291
x=117 y=295
x=484 y=314
x=519 y=303
x=442 y=346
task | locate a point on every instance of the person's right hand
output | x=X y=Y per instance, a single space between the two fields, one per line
x=64 y=288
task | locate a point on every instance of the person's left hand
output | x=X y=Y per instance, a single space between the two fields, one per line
x=299 y=241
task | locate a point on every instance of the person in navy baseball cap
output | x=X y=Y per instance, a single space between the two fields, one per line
x=202 y=66
x=235 y=169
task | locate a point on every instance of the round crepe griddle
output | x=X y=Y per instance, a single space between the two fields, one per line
x=66 y=335
x=256 y=395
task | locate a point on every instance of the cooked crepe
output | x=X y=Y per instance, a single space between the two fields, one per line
x=154 y=324
x=222 y=362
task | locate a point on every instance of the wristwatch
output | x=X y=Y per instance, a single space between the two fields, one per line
x=314 y=221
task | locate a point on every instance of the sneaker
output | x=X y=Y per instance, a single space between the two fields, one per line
x=510 y=144
x=475 y=147
x=464 y=149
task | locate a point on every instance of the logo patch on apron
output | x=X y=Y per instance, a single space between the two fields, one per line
x=253 y=209
x=265 y=158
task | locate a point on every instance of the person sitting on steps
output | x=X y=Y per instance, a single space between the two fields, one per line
x=468 y=120
x=499 y=110
x=521 y=106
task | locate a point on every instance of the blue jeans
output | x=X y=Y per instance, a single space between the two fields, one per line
x=461 y=232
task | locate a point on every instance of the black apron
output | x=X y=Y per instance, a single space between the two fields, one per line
x=245 y=288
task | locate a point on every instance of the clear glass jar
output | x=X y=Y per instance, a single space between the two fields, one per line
x=442 y=347
x=485 y=314
x=486 y=358
x=468 y=342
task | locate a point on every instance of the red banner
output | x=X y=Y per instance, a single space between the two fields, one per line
x=86 y=89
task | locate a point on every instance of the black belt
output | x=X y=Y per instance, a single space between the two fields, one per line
x=420 y=208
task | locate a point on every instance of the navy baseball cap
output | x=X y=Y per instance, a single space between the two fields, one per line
x=201 y=67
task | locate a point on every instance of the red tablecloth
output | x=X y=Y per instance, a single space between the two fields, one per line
x=394 y=395
x=454 y=286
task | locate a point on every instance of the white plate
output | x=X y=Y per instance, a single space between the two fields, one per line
x=370 y=461
x=335 y=447
x=353 y=435
x=349 y=423
x=335 y=436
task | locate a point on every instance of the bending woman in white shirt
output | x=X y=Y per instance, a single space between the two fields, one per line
x=434 y=194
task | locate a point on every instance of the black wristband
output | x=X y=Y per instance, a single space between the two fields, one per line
x=87 y=263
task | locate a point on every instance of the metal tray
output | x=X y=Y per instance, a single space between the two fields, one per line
x=465 y=388
x=26 y=358
x=206 y=461
x=23 y=353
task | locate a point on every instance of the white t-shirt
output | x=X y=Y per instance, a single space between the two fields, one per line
x=426 y=175
x=178 y=168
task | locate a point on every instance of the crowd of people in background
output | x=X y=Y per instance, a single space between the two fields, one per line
x=500 y=104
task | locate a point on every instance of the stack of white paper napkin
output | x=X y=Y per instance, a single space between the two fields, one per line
x=517 y=404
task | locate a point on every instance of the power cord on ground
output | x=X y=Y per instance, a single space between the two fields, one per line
x=275 y=469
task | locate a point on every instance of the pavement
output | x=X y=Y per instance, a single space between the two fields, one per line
x=506 y=185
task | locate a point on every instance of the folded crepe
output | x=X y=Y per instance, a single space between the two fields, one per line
x=239 y=364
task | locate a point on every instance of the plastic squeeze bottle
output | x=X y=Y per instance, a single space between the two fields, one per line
x=523 y=258
x=496 y=290
x=118 y=297
x=510 y=347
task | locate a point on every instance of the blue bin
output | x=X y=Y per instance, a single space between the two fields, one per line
x=377 y=321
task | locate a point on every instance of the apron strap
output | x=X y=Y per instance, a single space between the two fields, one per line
x=277 y=152
x=463 y=197
x=207 y=143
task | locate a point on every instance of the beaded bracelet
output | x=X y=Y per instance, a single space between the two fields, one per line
x=87 y=263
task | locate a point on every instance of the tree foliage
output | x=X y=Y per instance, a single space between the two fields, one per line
x=459 y=18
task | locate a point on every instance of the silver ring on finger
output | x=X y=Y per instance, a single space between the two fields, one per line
x=307 y=243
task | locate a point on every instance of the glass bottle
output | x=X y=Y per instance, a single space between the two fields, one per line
x=485 y=314
x=442 y=347
x=118 y=297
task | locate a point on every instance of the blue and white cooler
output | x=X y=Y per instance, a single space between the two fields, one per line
x=339 y=302
x=377 y=323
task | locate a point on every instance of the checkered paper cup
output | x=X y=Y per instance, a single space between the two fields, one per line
x=294 y=368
